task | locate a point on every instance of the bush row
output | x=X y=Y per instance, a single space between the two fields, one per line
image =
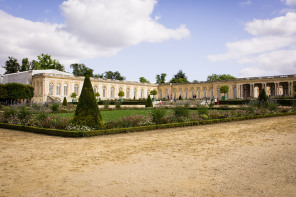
x=282 y=102
x=65 y=133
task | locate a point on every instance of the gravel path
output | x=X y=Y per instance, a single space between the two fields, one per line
x=247 y=158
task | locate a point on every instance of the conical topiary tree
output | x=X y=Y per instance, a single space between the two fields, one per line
x=65 y=103
x=263 y=98
x=87 y=112
x=149 y=102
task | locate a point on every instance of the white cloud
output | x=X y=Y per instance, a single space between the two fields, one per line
x=289 y=2
x=271 y=49
x=93 y=28
x=245 y=3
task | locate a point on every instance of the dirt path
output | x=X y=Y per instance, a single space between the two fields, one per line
x=248 y=158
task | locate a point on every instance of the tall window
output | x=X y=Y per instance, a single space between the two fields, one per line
x=142 y=93
x=41 y=88
x=65 y=90
x=211 y=93
x=218 y=92
x=112 y=92
x=175 y=94
x=95 y=89
x=76 y=87
x=127 y=93
x=135 y=93
x=205 y=93
x=191 y=93
x=37 y=89
x=58 y=89
x=186 y=94
x=198 y=93
x=104 y=91
x=51 y=89
x=180 y=93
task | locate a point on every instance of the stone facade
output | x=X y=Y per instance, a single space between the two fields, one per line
x=55 y=85
x=239 y=88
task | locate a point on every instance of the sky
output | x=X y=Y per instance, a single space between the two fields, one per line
x=143 y=38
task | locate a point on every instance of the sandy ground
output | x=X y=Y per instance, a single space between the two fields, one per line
x=248 y=158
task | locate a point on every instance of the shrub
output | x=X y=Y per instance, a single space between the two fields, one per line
x=54 y=107
x=117 y=105
x=158 y=115
x=87 y=112
x=8 y=112
x=36 y=106
x=263 y=98
x=65 y=103
x=203 y=110
x=149 y=102
x=180 y=111
x=23 y=114
x=272 y=105
x=106 y=105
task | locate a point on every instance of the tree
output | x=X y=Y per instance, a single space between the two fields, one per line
x=87 y=112
x=121 y=93
x=262 y=98
x=143 y=80
x=149 y=102
x=45 y=62
x=153 y=92
x=81 y=70
x=195 y=81
x=160 y=78
x=111 y=75
x=180 y=77
x=34 y=65
x=65 y=103
x=11 y=66
x=97 y=94
x=25 y=65
x=223 y=77
x=224 y=89
x=3 y=91
x=17 y=91
x=73 y=95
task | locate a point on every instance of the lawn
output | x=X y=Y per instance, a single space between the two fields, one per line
x=114 y=114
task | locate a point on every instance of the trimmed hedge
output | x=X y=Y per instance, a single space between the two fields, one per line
x=234 y=102
x=65 y=133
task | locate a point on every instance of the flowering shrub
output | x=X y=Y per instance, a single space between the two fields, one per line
x=129 y=121
x=72 y=127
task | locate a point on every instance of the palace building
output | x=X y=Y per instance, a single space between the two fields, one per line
x=53 y=85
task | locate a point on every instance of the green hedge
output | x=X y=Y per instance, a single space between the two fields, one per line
x=286 y=102
x=234 y=102
x=65 y=133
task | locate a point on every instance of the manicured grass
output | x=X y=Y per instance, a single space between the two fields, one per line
x=114 y=114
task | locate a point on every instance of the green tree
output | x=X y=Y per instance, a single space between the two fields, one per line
x=121 y=93
x=263 y=98
x=81 y=70
x=34 y=65
x=25 y=65
x=180 y=77
x=224 y=89
x=111 y=75
x=160 y=78
x=17 y=91
x=87 y=112
x=3 y=91
x=143 y=80
x=73 y=95
x=11 y=66
x=153 y=92
x=223 y=77
x=65 y=103
x=149 y=102
x=45 y=62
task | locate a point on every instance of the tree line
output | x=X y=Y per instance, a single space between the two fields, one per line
x=44 y=61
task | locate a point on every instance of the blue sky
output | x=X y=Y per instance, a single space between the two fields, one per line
x=143 y=38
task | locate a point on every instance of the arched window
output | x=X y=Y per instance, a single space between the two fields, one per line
x=175 y=94
x=37 y=88
x=58 y=89
x=180 y=93
x=186 y=94
x=95 y=89
x=142 y=93
x=51 y=89
x=112 y=92
x=135 y=93
x=127 y=93
x=76 y=88
x=65 y=89
x=104 y=91
x=148 y=93
x=211 y=93
x=218 y=92
x=41 y=89
x=205 y=93
x=198 y=94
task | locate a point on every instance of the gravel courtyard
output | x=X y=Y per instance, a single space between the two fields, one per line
x=247 y=158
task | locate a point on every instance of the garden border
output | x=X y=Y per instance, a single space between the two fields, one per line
x=75 y=134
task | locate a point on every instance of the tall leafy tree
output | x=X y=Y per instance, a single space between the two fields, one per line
x=111 y=75
x=143 y=80
x=81 y=70
x=45 y=62
x=11 y=65
x=161 y=78
x=25 y=65
x=223 y=77
x=34 y=65
x=180 y=77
